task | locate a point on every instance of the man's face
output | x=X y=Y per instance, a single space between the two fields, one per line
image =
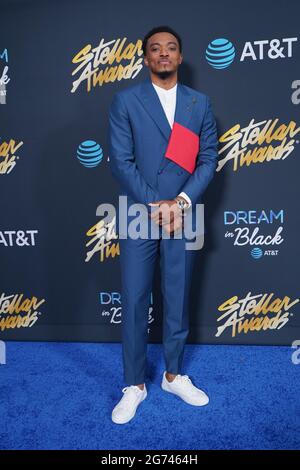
x=162 y=54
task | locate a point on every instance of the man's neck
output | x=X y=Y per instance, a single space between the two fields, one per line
x=166 y=83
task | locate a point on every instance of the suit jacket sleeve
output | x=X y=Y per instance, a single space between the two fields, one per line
x=207 y=158
x=121 y=155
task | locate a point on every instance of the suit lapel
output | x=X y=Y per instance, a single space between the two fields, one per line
x=152 y=104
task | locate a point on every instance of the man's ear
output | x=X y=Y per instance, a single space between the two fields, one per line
x=146 y=60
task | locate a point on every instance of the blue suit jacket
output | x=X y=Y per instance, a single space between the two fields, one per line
x=138 y=138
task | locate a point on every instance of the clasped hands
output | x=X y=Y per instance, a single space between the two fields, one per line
x=168 y=214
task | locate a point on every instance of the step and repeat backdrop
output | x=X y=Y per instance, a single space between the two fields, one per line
x=61 y=61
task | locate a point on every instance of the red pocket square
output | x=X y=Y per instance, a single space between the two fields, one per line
x=183 y=147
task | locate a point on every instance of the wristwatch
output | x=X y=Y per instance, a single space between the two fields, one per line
x=182 y=204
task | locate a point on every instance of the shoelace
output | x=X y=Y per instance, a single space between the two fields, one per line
x=127 y=397
x=131 y=387
x=184 y=378
x=192 y=388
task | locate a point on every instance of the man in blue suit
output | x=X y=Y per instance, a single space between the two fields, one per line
x=163 y=152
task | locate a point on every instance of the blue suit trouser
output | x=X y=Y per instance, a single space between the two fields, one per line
x=137 y=261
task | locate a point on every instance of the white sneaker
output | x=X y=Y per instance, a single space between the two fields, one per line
x=182 y=387
x=125 y=410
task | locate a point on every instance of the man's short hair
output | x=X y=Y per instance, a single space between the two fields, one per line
x=161 y=29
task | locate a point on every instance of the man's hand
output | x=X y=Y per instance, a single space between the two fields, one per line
x=167 y=211
x=173 y=226
x=168 y=214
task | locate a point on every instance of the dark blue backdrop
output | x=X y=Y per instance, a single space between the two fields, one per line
x=60 y=64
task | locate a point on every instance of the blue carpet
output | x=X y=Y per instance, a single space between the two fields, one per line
x=60 y=396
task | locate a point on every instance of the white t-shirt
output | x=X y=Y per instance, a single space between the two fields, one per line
x=168 y=102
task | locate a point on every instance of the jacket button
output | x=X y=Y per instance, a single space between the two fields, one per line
x=160 y=171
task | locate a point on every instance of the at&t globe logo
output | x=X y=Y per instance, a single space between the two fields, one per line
x=220 y=53
x=89 y=153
